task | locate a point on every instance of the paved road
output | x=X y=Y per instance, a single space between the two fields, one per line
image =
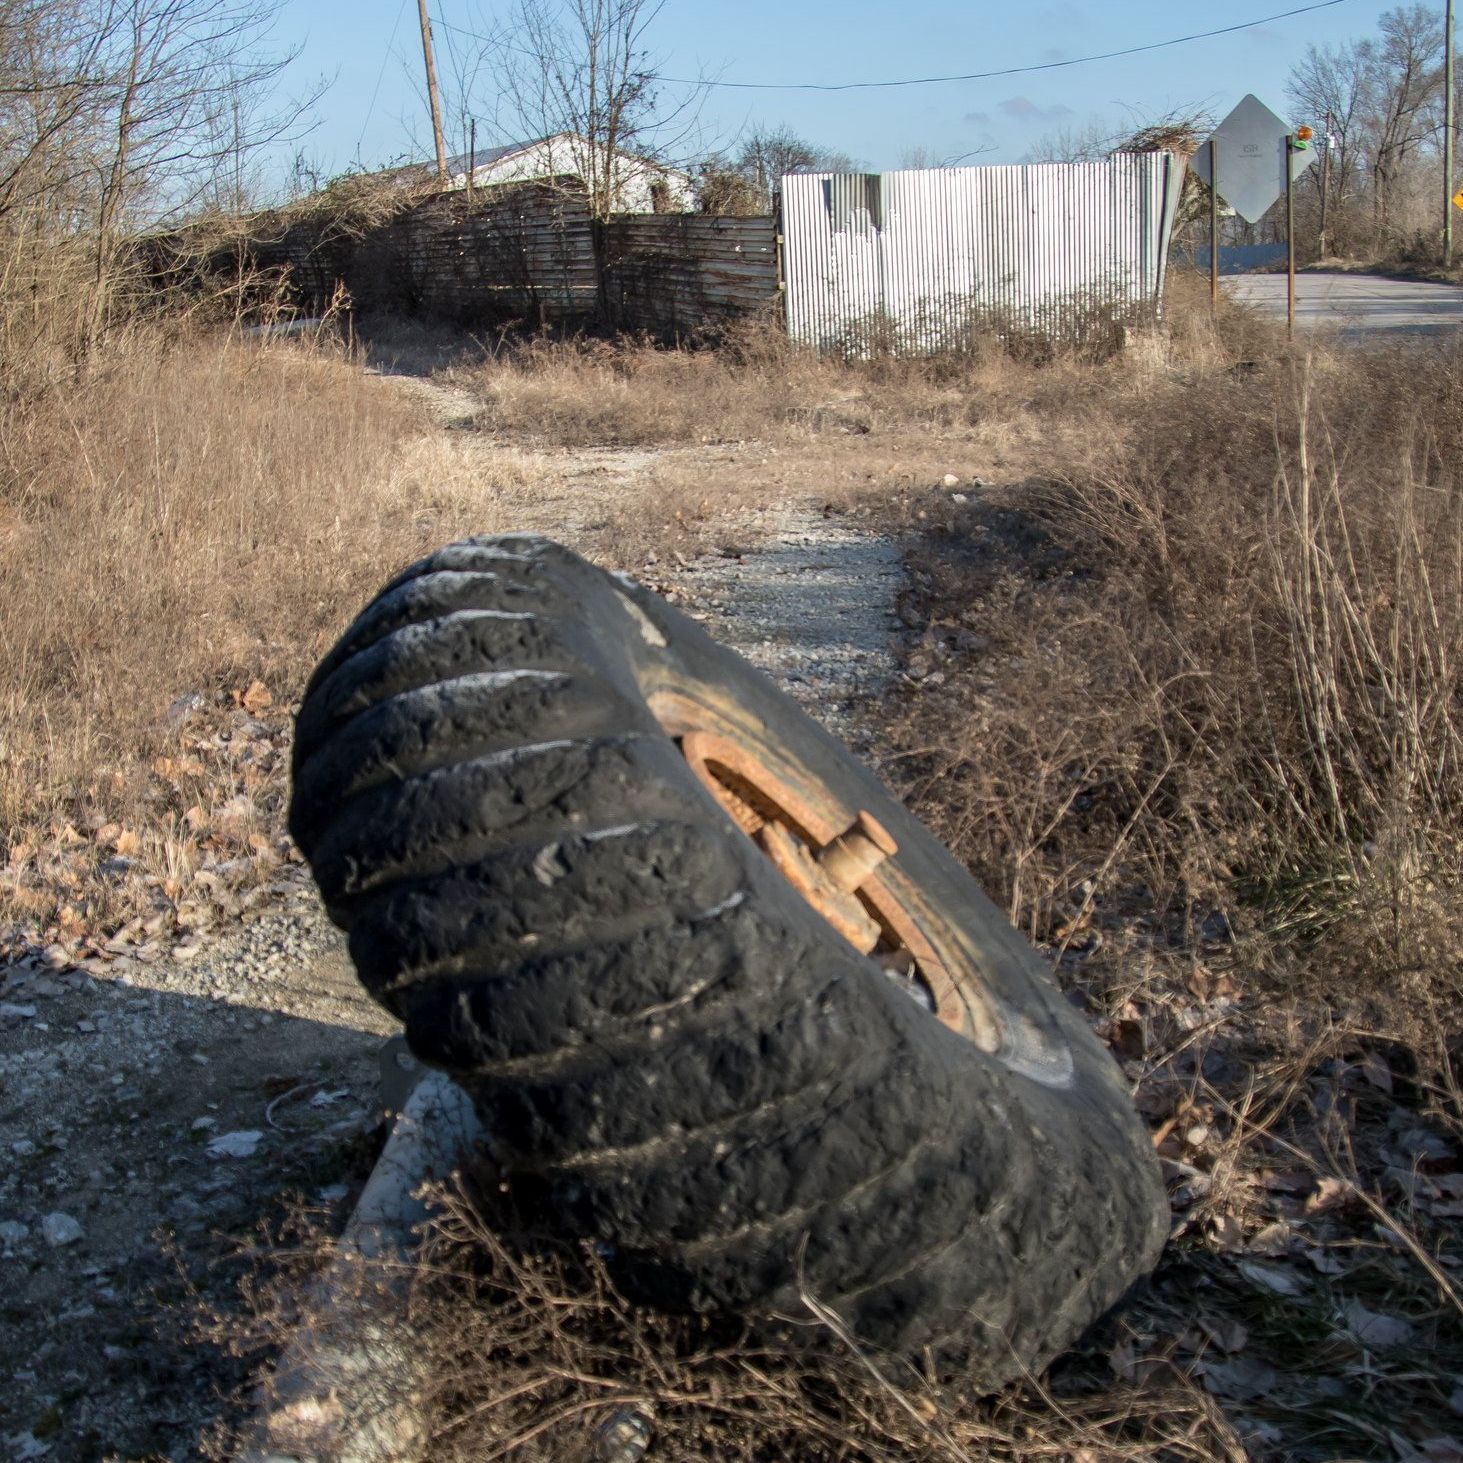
x=1359 y=304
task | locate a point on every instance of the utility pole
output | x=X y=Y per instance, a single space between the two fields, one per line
x=1213 y=225
x=432 y=97
x=1448 y=136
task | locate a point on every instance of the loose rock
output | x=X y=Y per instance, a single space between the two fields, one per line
x=60 y=1229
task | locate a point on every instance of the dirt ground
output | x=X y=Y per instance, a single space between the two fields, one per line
x=157 y=1108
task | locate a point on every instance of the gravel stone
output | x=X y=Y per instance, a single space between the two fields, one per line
x=60 y=1229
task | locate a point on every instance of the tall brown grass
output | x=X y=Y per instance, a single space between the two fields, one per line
x=533 y=1354
x=1218 y=666
x=187 y=518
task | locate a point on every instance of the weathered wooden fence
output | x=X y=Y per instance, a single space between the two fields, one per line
x=532 y=254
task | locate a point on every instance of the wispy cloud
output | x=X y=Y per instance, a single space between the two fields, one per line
x=1023 y=109
x=981 y=119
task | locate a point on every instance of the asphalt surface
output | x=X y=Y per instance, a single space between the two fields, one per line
x=1356 y=304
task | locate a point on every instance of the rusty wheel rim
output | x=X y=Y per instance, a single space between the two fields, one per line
x=840 y=859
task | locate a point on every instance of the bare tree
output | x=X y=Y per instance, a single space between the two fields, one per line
x=1405 y=73
x=578 y=77
x=118 y=115
x=769 y=153
x=1088 y=143
x=1384 y=96
x=922 y=157
x=1335 y=82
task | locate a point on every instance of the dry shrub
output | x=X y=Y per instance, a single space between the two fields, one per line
x=1217 y=666
x=754 y=384
x=535 y=1356
x=592 y=392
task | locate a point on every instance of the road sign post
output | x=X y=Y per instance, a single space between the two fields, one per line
x=1262 y=159
x=1297 y=141
x=1289 y=245
x=1213 y=227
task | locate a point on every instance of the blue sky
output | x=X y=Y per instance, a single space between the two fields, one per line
x=347 y=41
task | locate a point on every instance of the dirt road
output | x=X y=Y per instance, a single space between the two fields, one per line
x=154 y=1111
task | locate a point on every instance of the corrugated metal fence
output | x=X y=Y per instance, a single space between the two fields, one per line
x=674 y=272
x=928 y=256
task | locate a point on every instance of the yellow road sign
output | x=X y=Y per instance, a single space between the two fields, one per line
x=1458 y=199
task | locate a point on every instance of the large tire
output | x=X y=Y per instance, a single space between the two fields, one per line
x=674 y=1054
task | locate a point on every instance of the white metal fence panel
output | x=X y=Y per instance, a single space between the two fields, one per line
x=926 y=256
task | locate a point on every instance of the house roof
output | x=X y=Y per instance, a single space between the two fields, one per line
x=485 y=156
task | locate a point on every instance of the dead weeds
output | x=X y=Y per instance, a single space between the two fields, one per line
x=1189 y=705
x=533 y=1354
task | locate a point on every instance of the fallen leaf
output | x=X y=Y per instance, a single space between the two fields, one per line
x=1226 y=1233
x=1288 y=1181
x=1374 y=1328
x=127 y=843
x=1273 y=1240
x=1330 y=1193
x=1122 y=1361
x=1239 y=1379
x=1424 y=1147
x=1225 y=1332
x=257 y=697
x=1376 y=1071
x=1273 y=1278
x=239 y=1144
x=1325 y=1262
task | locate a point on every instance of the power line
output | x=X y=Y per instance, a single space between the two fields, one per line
x=1202 y=35
x=376 y=90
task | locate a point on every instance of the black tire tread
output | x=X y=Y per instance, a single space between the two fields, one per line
x=672 y=1053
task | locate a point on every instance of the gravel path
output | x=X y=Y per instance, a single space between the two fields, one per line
x=152 y=1112
x=812 y=605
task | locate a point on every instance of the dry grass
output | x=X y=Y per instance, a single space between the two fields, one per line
x=1183 y=694
x=187 y=520
x=1188 y=703
x=1237 y=622
x=533 y=1355
x=754 y=385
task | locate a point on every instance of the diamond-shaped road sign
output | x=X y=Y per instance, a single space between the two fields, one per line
x=1251 y=158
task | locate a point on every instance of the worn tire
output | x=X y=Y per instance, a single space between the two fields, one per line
x=673 y=1053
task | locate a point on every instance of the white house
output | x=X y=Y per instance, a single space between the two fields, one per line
x=640 y=185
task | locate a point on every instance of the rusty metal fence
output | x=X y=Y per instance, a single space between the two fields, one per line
x=926 y=257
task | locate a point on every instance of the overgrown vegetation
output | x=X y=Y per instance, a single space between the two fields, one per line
x=1214 y=666
x=1180 y=684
